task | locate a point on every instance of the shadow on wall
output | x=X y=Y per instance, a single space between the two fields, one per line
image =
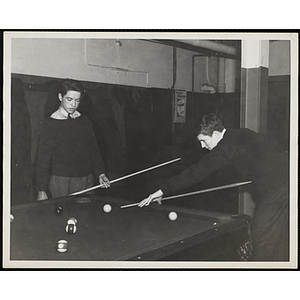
x=21 y=168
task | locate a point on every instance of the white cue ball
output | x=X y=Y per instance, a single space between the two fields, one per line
x=172 y=216
x=107 y=208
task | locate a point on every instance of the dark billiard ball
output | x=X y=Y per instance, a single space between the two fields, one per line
x=58 y=211
x=71 y=228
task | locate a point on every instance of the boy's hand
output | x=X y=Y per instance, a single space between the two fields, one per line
x=42 y=196
x=157 y=196
x=103 y=180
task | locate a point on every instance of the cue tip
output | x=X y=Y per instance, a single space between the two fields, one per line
x=129 y=205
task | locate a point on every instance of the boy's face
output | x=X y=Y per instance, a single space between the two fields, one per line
x=70 y=101
x=209 y=142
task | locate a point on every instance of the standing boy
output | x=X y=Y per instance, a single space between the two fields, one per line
x=68 y=156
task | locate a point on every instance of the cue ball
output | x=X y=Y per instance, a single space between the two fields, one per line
x=72 y=221
x=71 y=228
x=107 y=208
x=172 y=216
x=62 y=246
x=58 y=211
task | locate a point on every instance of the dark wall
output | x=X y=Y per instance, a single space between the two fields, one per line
x=278 y=122
x=21 y=171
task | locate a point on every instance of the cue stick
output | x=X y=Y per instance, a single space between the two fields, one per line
x=196 y=192
x=126 y=176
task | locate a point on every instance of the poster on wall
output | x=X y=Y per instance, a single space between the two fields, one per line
x=180 y=98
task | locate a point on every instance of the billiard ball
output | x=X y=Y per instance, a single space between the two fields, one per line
x=172 y=216
x=71 y=228
x=58 y=211
x=62 y=246
x=72 y=221
x=107 y=208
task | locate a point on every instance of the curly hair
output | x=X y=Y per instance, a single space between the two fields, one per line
x=209 y=124
x=70 y=85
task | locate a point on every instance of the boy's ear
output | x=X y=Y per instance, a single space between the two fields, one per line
x=60 y=96
x=216 y=133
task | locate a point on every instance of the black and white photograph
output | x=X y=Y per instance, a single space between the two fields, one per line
x=150 y=150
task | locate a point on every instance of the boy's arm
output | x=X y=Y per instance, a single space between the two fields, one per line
x=44 y=160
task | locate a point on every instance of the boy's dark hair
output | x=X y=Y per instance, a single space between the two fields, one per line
x=70 y=85
x=209 y=124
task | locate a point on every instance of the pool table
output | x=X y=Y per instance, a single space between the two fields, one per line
x=134 y=234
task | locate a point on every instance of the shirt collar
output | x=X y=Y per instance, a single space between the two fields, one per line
x=61 y=114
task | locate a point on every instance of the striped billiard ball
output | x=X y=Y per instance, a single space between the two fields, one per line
x=62 y=246
x=71 y=228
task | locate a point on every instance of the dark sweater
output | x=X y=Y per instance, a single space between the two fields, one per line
x=67 y=148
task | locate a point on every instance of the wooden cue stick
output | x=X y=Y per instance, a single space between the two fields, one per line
x=196 y=192
x=126 y=176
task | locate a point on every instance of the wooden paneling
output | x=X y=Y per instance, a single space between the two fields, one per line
x=279 y=109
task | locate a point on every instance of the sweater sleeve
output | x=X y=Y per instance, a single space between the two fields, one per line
x=95 y=156
x=209 y=164
x=44 y=156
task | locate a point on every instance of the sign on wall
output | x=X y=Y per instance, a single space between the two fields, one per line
x=180 y=98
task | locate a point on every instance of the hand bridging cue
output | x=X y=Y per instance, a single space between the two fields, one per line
x=157 y=196
x=103 y=180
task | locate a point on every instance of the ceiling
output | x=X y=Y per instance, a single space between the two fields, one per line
x=179 y=44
